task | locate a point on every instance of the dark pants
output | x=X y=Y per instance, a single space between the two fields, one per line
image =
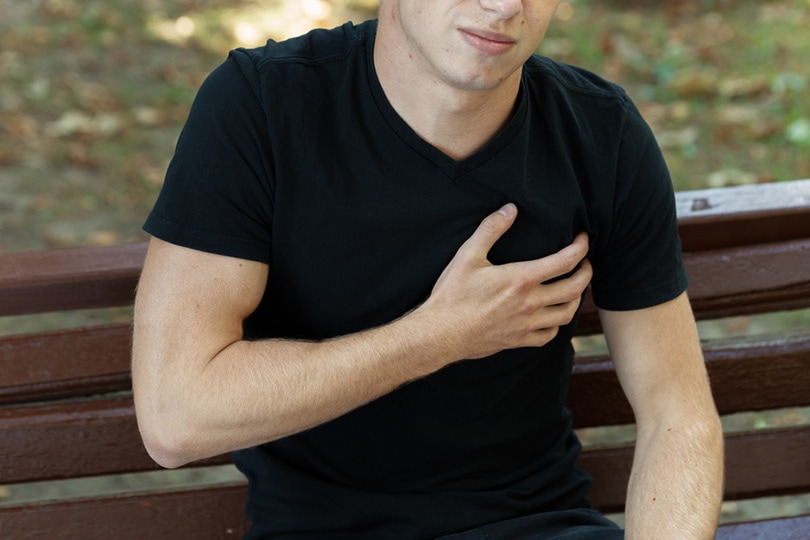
x=582 y=524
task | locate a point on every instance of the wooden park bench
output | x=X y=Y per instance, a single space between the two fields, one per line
x=66 y=410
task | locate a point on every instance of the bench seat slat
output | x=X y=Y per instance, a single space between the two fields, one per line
x=751 y=375
x=218 y=512
x=747 y=376
x=73 y=439
x=776 y=457
x=58 y=442
x=209 y=513
x=758 y=464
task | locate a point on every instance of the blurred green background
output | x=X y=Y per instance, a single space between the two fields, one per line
x=93 y=93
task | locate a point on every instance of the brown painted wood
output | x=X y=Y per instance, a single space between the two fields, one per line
x=748 y=251
x=753 y=279
x=77 y=278
x=210 y=513
x=758 y=464
x=65 y=363
x=738 y=281
x=75 y=438
x=218 y=512
x=768 y=462
x=751 y=375
x=63 y=279
x=746 y=375
x=760 y=374
x=72 y=439
x=743 y=215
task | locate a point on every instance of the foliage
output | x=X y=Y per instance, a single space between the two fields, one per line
x=93 y=93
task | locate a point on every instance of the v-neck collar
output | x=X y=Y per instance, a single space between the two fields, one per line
x=454 y=169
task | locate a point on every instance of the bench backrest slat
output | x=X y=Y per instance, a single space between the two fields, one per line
x=731 y=281
x=743 y=215
x=65 y=363
x=74 y=278
x=78 y=278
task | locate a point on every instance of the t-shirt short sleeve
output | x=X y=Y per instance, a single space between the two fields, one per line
x=641 y=264
x=217 y=195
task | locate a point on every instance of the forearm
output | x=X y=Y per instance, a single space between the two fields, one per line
x=253 y=392
x=676 y=482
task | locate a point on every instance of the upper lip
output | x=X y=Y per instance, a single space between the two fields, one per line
x=489 y=35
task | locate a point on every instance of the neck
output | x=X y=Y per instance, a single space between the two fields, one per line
x=457 y=121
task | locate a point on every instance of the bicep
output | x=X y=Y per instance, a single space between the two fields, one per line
x=192 y=303
x=657 y=355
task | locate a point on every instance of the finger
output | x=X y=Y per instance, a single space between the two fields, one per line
x=555 y=316
x=541 y=337
x=566 y=289
x=559 y=264
x=489 y=231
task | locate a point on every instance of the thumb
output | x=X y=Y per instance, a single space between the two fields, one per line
x=490 y=230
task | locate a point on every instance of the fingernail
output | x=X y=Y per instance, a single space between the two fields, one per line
x=507 y=210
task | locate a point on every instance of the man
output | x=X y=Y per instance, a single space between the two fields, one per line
x=368 y=254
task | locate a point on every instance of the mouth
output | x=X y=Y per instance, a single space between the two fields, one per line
x=488 y=43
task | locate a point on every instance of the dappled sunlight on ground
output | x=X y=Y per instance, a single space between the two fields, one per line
x=250 y=24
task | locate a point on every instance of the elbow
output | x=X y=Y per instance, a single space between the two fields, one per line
x=169 y=446
x=164 y=451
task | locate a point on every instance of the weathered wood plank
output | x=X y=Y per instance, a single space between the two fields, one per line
x=758 y=464
x=65 y=363
x=748 y=251
x=749 y=375
x=62 y=279
x=743 y=215
x=738 y=281
x=72 y=439
x=88 y=277
x=218 y=512
x=99 y=436
x=749 y=199
x=210 y=513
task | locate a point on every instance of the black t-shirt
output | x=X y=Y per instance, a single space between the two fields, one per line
x=293 y=156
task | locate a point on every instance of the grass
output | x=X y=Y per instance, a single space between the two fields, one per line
x=723 y=84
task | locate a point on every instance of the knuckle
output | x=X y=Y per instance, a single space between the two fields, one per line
x=571 y=311
x=546 y=335
x=525 y=281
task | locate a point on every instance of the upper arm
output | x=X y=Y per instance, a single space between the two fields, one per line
x=657 y=355
x=190 y=304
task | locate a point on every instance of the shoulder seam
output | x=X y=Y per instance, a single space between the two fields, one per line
x=619 y=95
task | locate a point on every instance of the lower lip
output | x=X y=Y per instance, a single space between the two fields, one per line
x=487 y=46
